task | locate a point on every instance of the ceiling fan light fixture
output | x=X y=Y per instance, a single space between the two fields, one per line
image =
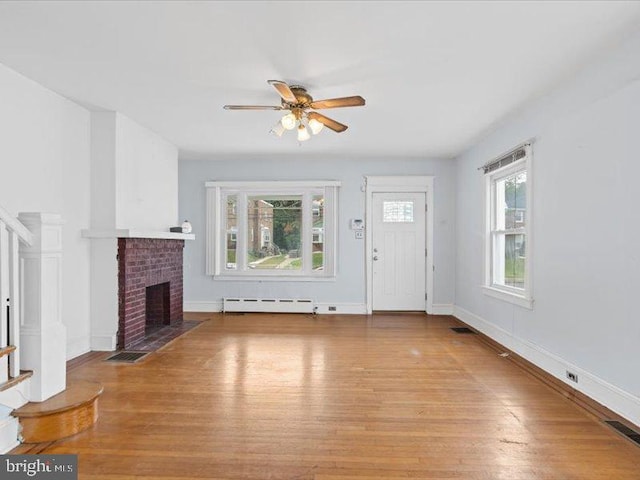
x=315 y=126
x=295 y=100
x=277 y=129
x=289 y=121
x=303 y=134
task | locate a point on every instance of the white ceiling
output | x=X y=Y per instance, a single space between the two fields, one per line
x=436 y=75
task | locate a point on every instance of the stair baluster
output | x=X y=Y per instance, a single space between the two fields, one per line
x=15 y=286
x=4 y=295
x=12 y=232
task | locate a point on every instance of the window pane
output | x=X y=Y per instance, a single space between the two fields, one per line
x=511 y=202
x=317 y=232
x=397 y=211
x=232 y=232
x=274 y=226
x=514 y=260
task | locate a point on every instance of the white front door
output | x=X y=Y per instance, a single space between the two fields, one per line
x=399 y=251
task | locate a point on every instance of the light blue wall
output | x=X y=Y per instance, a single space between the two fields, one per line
x=349 y=285
x=585 y=261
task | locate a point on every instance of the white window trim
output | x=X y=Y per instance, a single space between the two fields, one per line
x=216 y=191
x=505 y=293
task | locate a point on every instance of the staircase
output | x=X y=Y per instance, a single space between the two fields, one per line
x=35 y=403
x=14 y=384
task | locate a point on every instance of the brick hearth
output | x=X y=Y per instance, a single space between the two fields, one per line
x=145 y=262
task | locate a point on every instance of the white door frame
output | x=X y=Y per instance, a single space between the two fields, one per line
x=397 y=184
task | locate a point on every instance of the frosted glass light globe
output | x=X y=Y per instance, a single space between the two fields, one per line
x=277 y=129
x=315 y=126
x=289 y=121
x=303 y=134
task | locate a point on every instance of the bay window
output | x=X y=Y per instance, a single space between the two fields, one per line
x=271 y=229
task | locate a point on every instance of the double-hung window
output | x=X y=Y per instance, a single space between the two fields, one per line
x=272 y=230
x=508 y=219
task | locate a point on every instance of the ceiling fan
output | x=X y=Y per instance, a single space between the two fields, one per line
x=300 y=105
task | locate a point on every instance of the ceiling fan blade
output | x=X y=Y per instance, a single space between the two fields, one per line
x=356 y=101
x=251 y=107
x=284 y=91
x=327 y=122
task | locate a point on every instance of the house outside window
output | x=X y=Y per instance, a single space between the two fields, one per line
x=508 y=214
x=272 y=229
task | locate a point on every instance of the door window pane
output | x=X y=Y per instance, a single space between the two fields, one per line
x=397 y=211
x=274 y=225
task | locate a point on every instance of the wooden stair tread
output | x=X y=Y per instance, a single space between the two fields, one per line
x=61 y=416
x=74 y=396
x=16 y=380
x=7 y=350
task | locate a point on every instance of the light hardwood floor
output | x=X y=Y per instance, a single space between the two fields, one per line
x=263 y=396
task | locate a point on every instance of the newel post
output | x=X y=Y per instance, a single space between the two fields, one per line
x=43 y=336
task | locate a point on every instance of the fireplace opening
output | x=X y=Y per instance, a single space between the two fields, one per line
x=157 y=311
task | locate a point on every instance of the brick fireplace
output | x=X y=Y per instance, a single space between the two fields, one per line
x=149 y=286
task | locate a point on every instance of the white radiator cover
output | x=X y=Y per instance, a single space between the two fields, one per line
x=279 y=305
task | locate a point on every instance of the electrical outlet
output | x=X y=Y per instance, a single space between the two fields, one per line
x=332 y=308
x=572 y=376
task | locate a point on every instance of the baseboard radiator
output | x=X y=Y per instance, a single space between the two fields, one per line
x=276 y=305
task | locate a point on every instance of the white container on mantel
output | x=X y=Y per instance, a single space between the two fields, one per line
x=132 y=233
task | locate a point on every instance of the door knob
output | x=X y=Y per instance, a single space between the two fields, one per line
x=375 y=257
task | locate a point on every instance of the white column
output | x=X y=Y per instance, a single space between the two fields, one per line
x=43 y=336
x=104 y=294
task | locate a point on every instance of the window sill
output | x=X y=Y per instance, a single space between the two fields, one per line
x=516 y=299
x=271 y=278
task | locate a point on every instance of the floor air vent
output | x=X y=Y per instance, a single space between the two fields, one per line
x=127 y=357
x=624 y=430
x=462 y=330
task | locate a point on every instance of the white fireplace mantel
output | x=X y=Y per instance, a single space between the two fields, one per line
x=104 y=278
x=131 y=233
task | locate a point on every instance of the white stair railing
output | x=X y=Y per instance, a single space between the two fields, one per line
x=12 y=232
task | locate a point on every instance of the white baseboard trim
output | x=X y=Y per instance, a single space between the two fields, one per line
x=612 y=397
x=103 y=343
x=442 y=309
x=215 y=306
x=341 y=308
x=9 y=431
x=77 y=347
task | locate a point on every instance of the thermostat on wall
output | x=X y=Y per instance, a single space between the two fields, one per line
x=357 y=224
